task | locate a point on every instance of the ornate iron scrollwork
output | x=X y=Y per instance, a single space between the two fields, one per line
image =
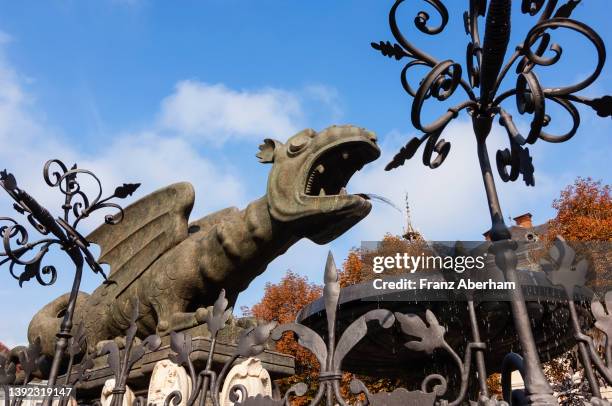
x=62 y=229
x=485 y=70
x=61 y=232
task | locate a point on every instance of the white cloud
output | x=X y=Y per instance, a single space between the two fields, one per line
x=217 y=113
x=145 y=157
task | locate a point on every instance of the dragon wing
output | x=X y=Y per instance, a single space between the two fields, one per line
x=150 y=227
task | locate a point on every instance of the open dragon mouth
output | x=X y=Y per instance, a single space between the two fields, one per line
x=331 y=171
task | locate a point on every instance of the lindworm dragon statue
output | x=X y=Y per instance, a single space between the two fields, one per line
x=175 y=269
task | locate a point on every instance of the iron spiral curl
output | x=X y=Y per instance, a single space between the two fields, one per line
x=485 y=69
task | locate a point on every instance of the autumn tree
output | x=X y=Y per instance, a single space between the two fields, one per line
x=584 y=212
x=282 y=302
x=352 y=269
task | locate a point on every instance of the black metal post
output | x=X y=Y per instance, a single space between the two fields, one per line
x=538 y=389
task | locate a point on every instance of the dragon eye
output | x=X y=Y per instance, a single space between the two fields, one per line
x=298 y=144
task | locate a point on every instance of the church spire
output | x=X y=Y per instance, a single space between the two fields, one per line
x=410 y=233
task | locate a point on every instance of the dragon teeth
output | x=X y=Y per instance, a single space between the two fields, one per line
x=320 y=168
x=342 y=191
x=309 y=182
x=322 y=192
x=345 y=155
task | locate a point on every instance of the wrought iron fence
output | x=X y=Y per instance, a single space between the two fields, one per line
x=423 y=333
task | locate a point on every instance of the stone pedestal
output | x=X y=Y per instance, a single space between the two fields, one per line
x=278 y=365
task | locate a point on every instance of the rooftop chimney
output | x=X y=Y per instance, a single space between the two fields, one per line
x=524 y=220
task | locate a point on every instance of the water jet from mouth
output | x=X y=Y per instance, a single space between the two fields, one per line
x=382 y=199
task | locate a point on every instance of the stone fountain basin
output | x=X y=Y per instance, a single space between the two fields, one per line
x=382 y=352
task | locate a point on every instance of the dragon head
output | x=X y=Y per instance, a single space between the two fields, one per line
x=307 y=183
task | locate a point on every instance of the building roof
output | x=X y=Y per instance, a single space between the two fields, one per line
x=527 y=233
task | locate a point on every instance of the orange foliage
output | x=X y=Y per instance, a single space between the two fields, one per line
x=282 y=302
x=494 y=385
x=351 y=269
x=584 y=212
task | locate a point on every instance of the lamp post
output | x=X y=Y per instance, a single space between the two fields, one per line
x=486 y=67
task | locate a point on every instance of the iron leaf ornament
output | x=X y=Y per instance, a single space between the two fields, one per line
x=603 y=316
x=562 y=267
x=217 y=315
x=431 y=336
x=180 y=344
x=126 y=190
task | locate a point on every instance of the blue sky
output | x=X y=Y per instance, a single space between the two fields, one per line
x=154 y=92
